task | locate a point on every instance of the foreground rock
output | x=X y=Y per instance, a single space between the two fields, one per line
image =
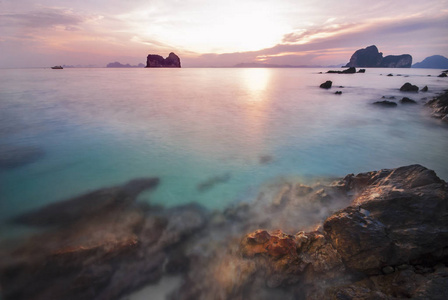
x=390 y=242
x=375 y=235
x=370 y=57
x=439 y=106
x=157 y=61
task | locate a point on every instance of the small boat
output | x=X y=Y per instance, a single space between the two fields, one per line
x=57 y=68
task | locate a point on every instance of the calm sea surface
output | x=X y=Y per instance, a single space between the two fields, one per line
x=213 y=136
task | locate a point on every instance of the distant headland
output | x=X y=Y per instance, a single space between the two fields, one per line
x=157 y=61
x=120 y=65
x=370 y=57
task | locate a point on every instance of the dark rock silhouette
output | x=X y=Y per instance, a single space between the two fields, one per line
x=433 y=62
x=338 y=93
x=326 y=85
x=157 y=61
x=425 y=88
x=406 y=100
x=350 y=70
x=407 y=87
x=443 y=74
x=370 y=57
x=385 y=103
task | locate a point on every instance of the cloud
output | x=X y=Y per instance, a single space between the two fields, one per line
x=324 y=45
x=44 y=18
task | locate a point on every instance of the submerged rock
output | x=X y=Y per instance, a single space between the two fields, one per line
x=87 y=205
x=16 y=156
x=385 y=103
x=406 y=100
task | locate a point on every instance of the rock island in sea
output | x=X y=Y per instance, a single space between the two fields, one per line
x=157 y=61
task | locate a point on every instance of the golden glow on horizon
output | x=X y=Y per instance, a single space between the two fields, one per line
x=256 y=80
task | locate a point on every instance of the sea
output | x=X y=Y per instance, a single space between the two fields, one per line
x=213 y=136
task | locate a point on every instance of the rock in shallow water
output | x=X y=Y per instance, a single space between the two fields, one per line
x=16 y=156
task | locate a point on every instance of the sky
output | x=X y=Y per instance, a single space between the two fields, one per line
x=217 y=33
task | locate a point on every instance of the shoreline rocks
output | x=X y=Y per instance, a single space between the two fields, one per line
x=439 y=106
x=375 y=234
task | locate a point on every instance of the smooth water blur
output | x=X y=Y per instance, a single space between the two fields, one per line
x=229 y=130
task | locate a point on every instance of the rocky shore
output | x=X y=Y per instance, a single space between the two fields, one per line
x=375 y=235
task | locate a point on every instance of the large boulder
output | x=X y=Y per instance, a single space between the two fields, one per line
x=407 y=87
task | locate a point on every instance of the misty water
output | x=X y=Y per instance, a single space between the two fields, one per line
x=212 y=136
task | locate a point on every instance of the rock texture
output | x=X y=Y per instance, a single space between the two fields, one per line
x=375 y=235
x=370 y=57
x=439 y=106
x=407 y=87
x=157 y=61
x=326 y=85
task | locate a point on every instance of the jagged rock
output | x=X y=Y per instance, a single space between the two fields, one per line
x=326 y=85
x=442 y=75
x=406 y=100
x=87 y=205
x=17 y=156
x=407 y=87
x=439 y=106
x=157 y=61
x=385 y=103
x=371 y=57
x=425 y=88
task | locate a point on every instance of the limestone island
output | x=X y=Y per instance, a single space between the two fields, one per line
x=370 y=57
x=157 y=61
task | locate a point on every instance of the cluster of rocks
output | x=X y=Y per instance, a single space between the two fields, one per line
x=375 y=235
x=351 y=70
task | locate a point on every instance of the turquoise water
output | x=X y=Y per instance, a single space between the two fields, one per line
x=102 y=127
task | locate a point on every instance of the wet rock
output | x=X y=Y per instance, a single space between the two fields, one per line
x=212 y=181
x=361 y=70
x=442 y=75
x=439 y=106
x=16 y=156
x=385 y=103
x=390 y=74
x=406 y=100
x=407 y=87
x=338 y=93
x=326 y=85
x=400 y=216
x=425 y=88
x=87 y=205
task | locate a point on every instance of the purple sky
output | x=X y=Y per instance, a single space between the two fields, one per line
x=217 y=33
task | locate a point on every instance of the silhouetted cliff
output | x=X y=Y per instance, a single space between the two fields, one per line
x=370 y=57
x=433 y=62
x=157 y=61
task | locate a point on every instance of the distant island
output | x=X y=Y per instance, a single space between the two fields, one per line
x=119 y=65
x=433 y=62
x=157 y=61
x=370 y=57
